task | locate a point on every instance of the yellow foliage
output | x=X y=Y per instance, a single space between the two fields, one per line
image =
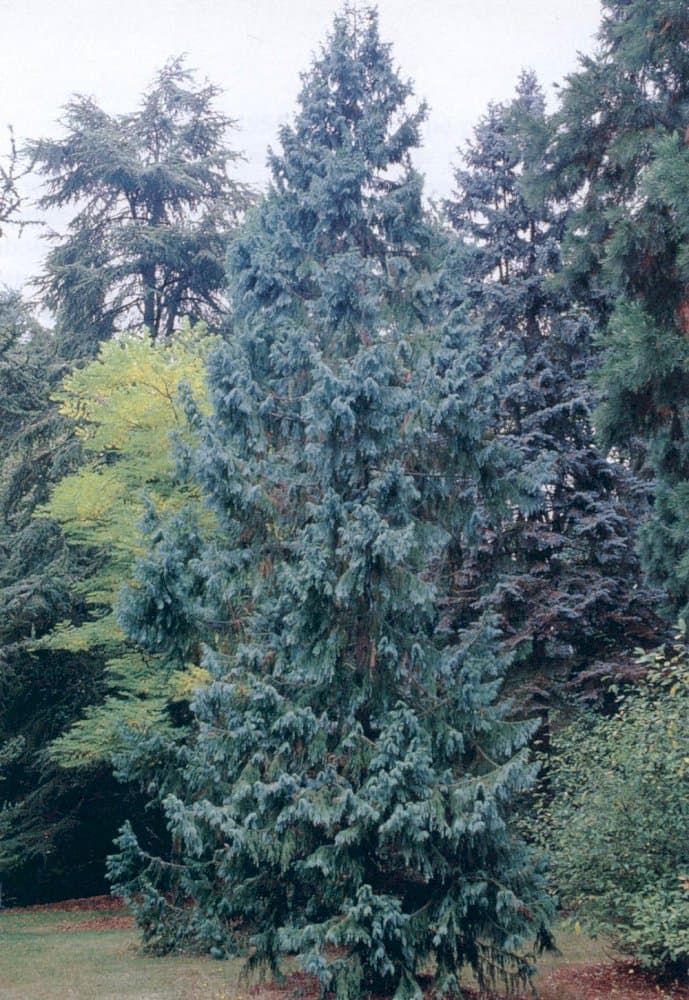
x=126 y=408
x=183 y=683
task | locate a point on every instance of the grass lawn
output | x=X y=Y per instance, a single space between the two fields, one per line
x=44 y=956
x=40 y=961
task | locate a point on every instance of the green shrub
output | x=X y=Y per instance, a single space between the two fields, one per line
x=619 y=820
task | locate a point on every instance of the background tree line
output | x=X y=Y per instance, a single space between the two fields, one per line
x=319 y=508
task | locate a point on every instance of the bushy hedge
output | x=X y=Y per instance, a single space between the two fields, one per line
x=619 y=820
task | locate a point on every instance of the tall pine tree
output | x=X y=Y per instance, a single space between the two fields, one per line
x=570 y=597
x=620 y=156
x=348 y=792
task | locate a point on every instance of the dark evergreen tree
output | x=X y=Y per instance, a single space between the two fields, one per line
x=353 y=770
x=45 y=852
x=155 y=210
x=10 y=199
x=620 y=157
x=570 y=597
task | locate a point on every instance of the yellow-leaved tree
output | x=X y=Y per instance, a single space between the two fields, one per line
x=128 y=407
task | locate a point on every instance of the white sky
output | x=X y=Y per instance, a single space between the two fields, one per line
x=460 y=53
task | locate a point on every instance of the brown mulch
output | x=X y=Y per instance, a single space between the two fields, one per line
x=93 y=904
x=87 y=904
x=619 y=980
x=113 y=922
x=297 y=985
x=605 y=981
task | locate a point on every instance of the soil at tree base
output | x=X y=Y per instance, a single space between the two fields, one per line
x=615 y=980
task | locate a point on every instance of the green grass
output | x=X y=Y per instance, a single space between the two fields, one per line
x=40 y=961
x=574 y=948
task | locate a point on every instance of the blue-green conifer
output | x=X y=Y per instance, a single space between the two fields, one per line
x=347 y=793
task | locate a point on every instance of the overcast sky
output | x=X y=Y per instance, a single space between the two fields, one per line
x=460 y=53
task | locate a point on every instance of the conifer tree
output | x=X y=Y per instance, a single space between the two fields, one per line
x=10 y=199
x=42 y=810
x=620 y=156
x=353 y=770
x=155 y=208
x=570 y=597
